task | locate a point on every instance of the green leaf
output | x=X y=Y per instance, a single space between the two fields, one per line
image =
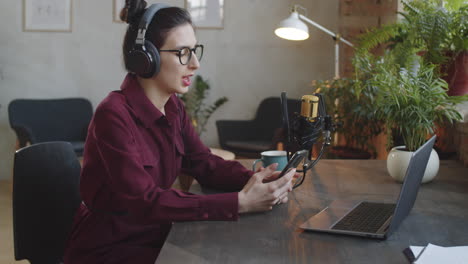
x=196 y=106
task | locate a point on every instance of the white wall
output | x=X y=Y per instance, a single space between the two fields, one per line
x=245 y=61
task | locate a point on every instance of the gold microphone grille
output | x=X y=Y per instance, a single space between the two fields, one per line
x=309 y=106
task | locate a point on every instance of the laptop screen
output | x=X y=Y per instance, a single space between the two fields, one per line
x=409 y=191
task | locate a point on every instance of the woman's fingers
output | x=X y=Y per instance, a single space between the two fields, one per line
x=281 y=187
x=272 y=177
x=297 y=175
x=281 y=182
x=282 y=199
x=272 y=167
x=265 y=173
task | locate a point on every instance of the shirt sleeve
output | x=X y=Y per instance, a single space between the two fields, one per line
x=135 y=190
x=209 y=169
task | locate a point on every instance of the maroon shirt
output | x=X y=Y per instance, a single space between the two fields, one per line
x=132 y=156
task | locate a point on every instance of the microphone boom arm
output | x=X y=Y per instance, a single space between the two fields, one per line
x=306 y=133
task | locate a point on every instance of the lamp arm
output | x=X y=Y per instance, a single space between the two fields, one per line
x=346 y=42
x=325 y=30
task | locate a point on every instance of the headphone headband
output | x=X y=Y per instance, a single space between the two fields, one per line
x=144 y=59
x=146 y=20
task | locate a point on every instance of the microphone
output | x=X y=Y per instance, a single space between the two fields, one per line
x=306 y=129
x=308 y=126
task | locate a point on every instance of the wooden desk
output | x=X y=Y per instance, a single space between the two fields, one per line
x=227 y=155
x=440 y=216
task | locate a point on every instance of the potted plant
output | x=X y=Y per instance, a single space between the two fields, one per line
x=196 y=106
x=434 y=34
x=437 y=30
x=412 y=101
x=351 y=102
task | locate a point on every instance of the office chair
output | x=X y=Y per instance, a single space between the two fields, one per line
x=43 y=120
x=45 y=197
x=248 y=138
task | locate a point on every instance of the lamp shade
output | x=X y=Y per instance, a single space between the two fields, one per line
x=292 y=28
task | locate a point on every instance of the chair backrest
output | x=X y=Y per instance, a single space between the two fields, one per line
x=45 y=198
x=269 y=117
x=38 y=120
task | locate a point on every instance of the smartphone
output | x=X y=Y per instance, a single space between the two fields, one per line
x=294 y=161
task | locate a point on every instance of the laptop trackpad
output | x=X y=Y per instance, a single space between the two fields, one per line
x=330 y=215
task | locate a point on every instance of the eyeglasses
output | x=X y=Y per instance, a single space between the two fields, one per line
x=185 y=53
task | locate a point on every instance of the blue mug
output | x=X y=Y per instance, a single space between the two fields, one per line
x=273 y=156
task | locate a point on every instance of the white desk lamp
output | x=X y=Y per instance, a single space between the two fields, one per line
x=292 y=28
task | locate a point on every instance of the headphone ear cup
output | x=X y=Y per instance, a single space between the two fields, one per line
x=144 y=60
x=138 y=61
x=154 y=67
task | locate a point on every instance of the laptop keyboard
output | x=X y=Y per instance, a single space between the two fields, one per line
x=366 y=217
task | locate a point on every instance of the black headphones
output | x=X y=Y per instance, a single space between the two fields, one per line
x=143 y=59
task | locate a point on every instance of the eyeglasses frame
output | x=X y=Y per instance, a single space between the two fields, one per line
x=192 y=51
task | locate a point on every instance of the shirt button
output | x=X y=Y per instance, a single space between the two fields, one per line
x=205 y=215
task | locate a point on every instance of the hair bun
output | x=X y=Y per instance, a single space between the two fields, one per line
x=132 y=11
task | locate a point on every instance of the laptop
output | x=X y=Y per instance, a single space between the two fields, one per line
x=374 y=219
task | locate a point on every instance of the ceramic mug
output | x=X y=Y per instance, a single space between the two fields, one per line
x=272 y=156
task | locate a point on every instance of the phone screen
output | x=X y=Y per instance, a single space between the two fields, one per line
x=294 y=162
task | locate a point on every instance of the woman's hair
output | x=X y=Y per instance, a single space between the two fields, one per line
x=164 y=20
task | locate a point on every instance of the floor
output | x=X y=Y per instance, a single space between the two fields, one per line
x=6 y=226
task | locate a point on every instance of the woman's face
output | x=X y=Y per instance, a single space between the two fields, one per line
x=174 y=77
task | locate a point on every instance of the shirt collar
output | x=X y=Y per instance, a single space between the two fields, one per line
x=142 y=106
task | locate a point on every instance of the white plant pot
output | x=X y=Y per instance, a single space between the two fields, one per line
x=398 y=160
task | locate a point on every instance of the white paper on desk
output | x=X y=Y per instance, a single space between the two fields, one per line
x=435 y=254
x=416 y=250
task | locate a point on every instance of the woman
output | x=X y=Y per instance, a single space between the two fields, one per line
x=139 y=140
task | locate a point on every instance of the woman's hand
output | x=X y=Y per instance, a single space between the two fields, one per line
x=276 y=174
x=258 y=195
